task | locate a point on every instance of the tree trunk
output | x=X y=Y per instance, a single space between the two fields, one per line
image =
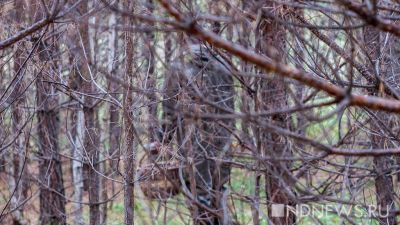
x=149 y=53
x=270 y=40
x=15 y=158
x=114 y=126
x=383 y=180
x=77 y=167
x=77 y=124
x=91 y=134
x=129 y=151
x=52 y=200
x=91 y=143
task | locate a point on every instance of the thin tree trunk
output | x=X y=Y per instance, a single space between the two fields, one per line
x=77 y=168
x=244 y=40
x=77 y=124
x=270 y=40
x=91 y=135
x=101 y=152
x=129 y=151
x=149 y=52
x=91 y=144
x=383 y=180
x=52 y=200
x=14 y=157
x=114 y=126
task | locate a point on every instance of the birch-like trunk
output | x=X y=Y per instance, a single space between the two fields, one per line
x=114 y=131
x=77 y=167
x=77 y=124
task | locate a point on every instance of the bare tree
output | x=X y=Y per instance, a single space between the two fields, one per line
x=271 y=38
x=91 y=134
x=14 y=157
x=129 y=127
x=52 y=200
x=114 y=119
x=78 y=125
x=377 y=65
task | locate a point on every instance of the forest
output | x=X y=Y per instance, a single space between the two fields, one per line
x=200 y=112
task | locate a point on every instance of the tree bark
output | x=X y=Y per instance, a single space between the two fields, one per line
x=91 y=134
x=14 y=158
x=270 y=40
x=77 y=124
x=77 y=167
x=152 y=126
x=52 y=200
x=383 y=181
x=114 y=126
x=129 y=148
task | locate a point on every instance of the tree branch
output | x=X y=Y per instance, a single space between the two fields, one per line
x=22 y=34
x=284 y=70
x=371 y=18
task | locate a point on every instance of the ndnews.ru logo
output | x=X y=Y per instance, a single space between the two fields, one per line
x=304 y=210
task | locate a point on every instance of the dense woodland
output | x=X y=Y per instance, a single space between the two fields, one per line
x=203 y=112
